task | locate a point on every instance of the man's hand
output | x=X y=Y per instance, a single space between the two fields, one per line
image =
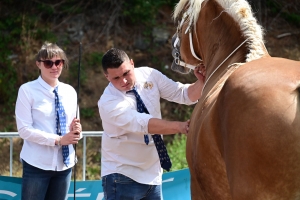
x=200 y=72
x=185 y=127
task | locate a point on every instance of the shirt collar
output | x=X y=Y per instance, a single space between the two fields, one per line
x=46 y=85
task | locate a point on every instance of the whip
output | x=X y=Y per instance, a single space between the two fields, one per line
x=77 y=113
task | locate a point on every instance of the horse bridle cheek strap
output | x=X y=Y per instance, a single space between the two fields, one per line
x=191 y=44
x=188 y=29
x=183 y=64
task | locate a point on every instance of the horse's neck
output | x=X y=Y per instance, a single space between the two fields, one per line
x=213 y=88
x=220 y=42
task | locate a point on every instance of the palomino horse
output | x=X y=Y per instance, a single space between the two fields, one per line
x=244 y=136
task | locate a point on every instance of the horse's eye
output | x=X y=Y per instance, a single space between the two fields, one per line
x=175 y=53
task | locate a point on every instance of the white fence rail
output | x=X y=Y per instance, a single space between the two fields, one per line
x=85 y=134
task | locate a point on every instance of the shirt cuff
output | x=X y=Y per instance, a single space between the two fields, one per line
x=144 y=121
x=186 y=96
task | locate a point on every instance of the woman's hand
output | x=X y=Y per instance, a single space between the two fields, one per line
x=70 y=138
x=76 y=126
x=74 y=135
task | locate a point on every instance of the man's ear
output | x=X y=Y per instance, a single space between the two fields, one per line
x=131 y=62
x=106 y=76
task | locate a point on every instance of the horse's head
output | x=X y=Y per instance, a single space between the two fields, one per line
x=215 y=34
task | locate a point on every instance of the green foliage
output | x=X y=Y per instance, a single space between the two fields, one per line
x=277 y=7
x=93 y=159
x=177 y=152
x=7 y=70
x=141 y=11
x=87 y=112
x=273 y=6
x=292 y=17
x=73 y=74
x=8 y=78
x=92 y=172
x=94 y=59
x=9 y=127
x=184 y=112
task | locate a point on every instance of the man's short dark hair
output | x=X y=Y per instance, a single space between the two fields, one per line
x=113 y=58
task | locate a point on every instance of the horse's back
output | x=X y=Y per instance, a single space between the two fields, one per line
x=260 y=128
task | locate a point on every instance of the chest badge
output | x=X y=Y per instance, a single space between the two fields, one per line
x=148 y=85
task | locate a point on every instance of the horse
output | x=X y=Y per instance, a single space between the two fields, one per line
x=244 y=134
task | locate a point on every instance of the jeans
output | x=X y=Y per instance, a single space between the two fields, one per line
x=38 y=184
x=119 y=187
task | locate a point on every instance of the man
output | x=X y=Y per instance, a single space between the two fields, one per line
x=130 y=164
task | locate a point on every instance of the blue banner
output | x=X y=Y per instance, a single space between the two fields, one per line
x=176 y=186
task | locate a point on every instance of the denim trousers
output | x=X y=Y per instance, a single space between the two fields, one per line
x=119 y=187
x=38 y=184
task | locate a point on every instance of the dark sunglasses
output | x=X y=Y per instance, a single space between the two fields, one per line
x=49 y=63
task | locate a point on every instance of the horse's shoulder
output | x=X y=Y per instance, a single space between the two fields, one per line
x=263 y=80
x=265 y=72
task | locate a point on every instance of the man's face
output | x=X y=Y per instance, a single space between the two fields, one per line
x=123 y=77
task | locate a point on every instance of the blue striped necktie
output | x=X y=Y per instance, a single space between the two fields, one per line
x=61 y=126
x=164 y=158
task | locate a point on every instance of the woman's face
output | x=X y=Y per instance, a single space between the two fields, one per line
x=50 y=69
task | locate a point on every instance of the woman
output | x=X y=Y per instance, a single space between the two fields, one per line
x=46 y=121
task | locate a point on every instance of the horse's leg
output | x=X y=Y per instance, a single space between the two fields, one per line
x=208 y=175
x=191 y=154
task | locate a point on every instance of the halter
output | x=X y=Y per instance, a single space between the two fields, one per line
x=178 y=61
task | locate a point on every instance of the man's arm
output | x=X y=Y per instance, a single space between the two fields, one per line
x=164 y=127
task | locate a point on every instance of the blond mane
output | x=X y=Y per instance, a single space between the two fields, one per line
x=241 y=12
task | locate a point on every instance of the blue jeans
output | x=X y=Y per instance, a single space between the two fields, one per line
x=38 y=184
x=119 y=187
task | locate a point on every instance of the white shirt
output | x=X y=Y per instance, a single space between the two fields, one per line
x=36 y=123
x=123 y=148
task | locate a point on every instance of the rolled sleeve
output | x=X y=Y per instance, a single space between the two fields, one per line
x=171 y=90
x=120 y=117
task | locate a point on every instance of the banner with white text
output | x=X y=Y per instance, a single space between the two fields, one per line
x=176 y=186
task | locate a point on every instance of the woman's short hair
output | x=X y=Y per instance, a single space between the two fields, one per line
x=50 y=50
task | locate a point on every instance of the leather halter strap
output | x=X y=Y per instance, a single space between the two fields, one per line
x=184 y=64
x=188 y=29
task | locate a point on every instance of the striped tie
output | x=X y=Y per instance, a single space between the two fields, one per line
x=61 y=126
x=164 y=158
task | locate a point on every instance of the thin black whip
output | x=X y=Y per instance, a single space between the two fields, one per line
x=77 y=113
